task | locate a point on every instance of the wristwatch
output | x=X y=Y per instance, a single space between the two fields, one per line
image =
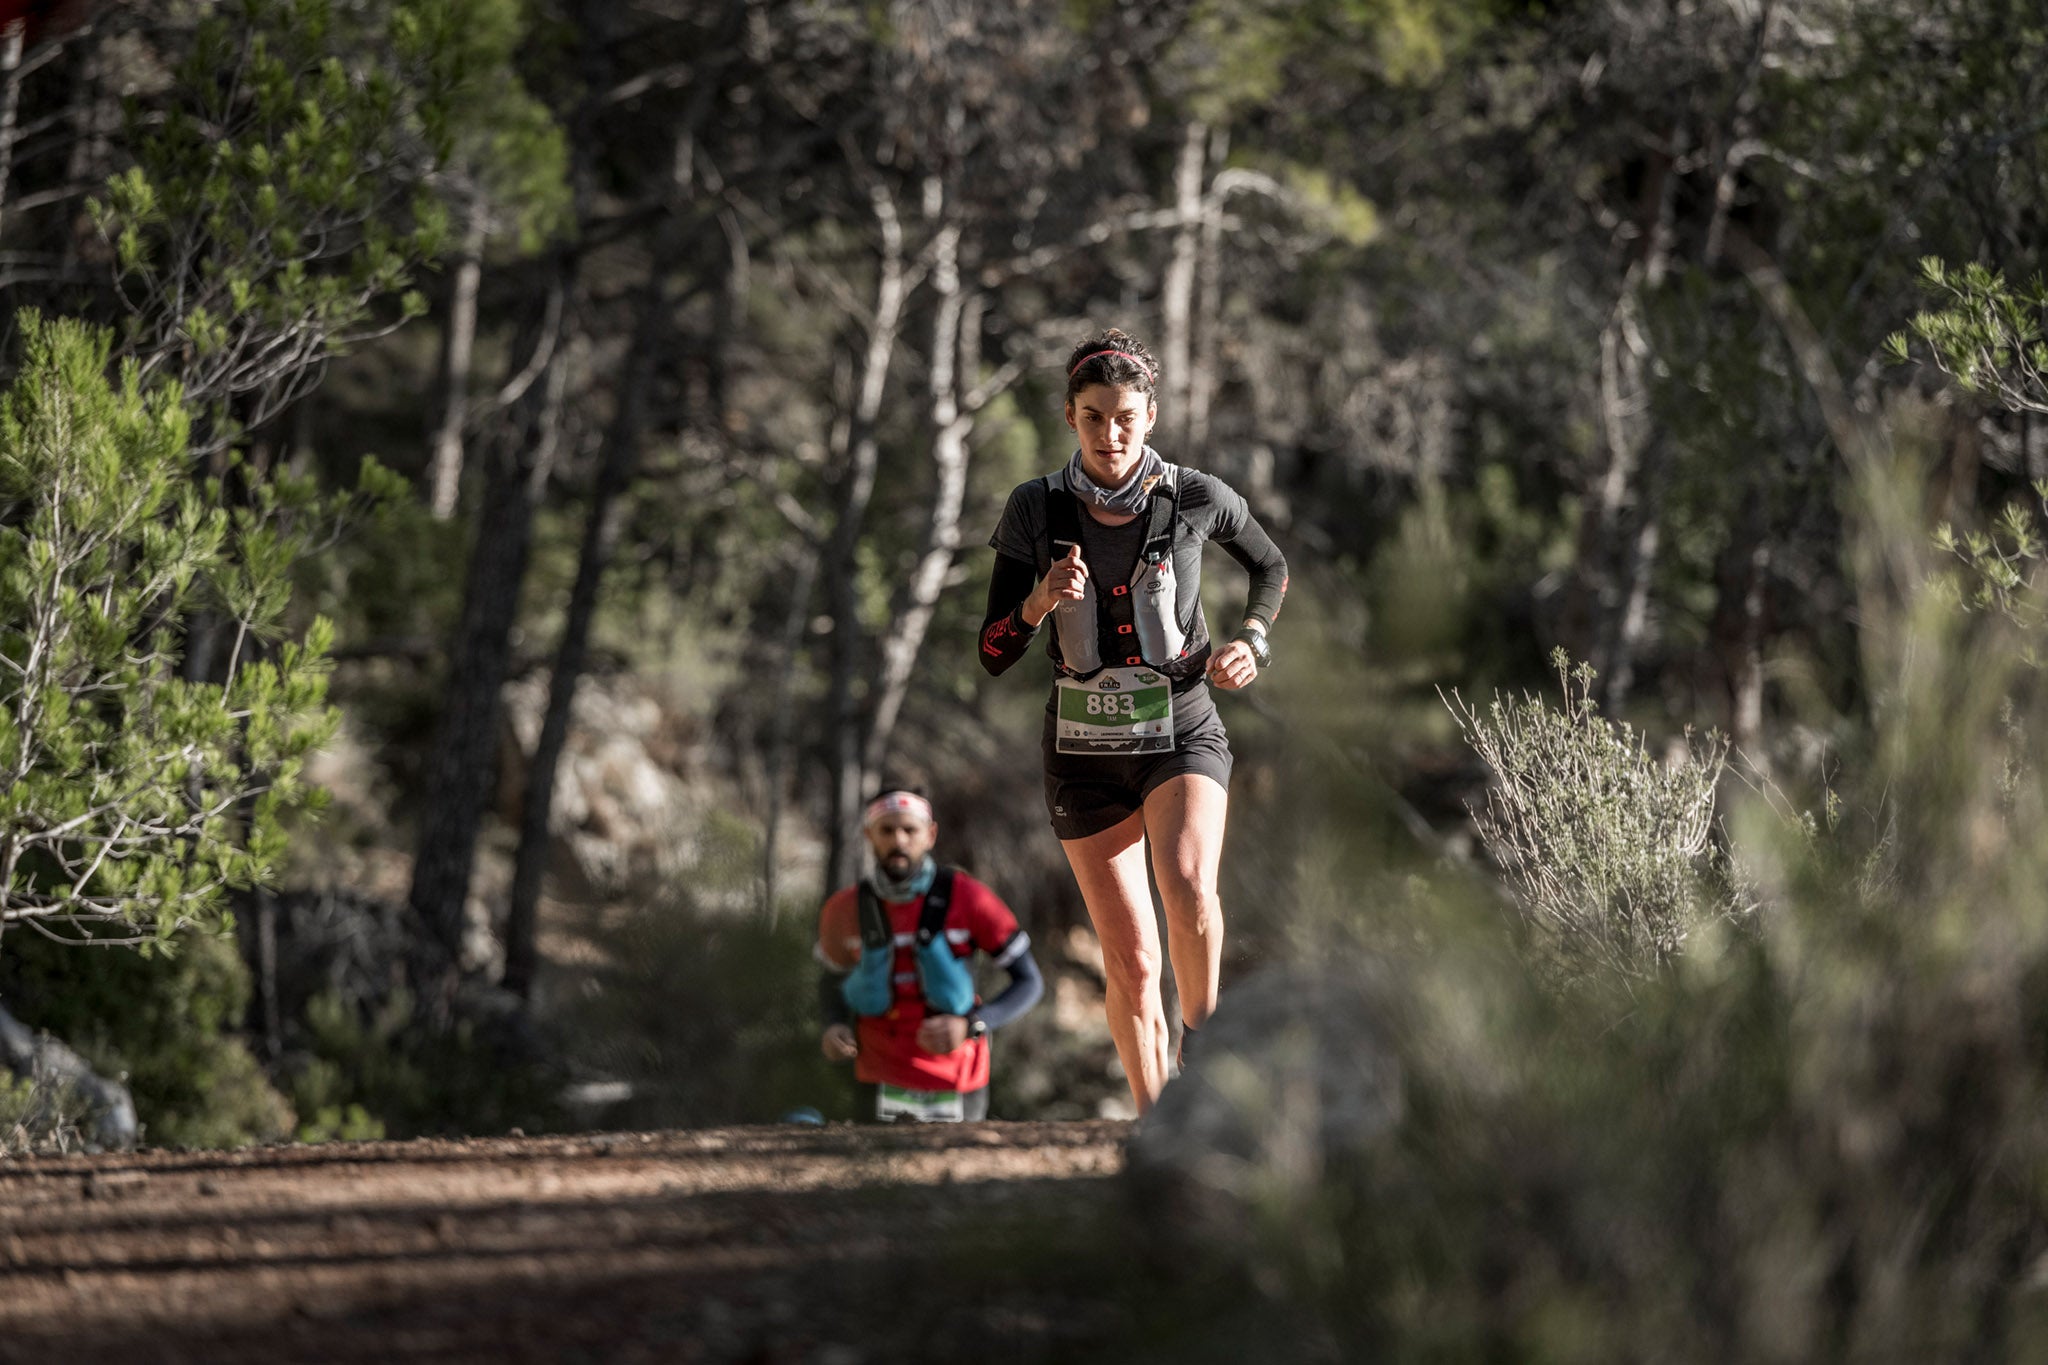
x=977 y=1027
x=1255 y=639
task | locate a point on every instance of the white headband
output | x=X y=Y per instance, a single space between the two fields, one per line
x=897 y=803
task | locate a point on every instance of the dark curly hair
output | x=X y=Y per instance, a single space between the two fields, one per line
x=1112 y=357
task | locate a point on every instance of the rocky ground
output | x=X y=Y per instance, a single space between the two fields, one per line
x=819 y=1245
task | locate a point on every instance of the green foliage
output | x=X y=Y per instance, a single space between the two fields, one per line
x=320 y=1087
x=1438 y=580
x=710 y=1012
x=496 y=133
x=1238 y=56
x=1606 y=847
x=166 y=1024
x=278 y=210
x=130 y=796
x=1993 y=569
x=1988 y=334
x=713 y=1018
x=375 y=1071
x=1350 y=217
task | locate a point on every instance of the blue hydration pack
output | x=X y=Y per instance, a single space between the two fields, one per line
x=870 y=988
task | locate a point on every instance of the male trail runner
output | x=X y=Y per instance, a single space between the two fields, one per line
x=895 y=992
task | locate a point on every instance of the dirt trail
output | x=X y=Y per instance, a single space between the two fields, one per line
x=744 y=1244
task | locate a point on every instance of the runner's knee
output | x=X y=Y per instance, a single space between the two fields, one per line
x=1132 y=970
x=1190 y=888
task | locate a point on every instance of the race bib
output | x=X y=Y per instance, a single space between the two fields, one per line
x=922 y=1106
x=1118 y=711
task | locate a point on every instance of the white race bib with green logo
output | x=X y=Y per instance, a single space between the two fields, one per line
x=1118 y=711
x=924 y=1106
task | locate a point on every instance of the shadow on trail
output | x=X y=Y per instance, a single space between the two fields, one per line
x=989 y=1242
x=988 y=1271
x=670 y=1145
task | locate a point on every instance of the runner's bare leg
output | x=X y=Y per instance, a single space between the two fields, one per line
x=1184 y=818
x=1110 y=869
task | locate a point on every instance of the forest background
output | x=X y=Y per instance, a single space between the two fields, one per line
x=705 y=341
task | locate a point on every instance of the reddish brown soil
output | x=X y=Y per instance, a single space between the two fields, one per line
x=829 y=1246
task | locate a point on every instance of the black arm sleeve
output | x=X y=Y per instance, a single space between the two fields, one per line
x=832 y=1006
x=1004 y=635
x=1025 y=988
x=1254 y=549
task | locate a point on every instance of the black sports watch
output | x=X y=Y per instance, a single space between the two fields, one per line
x=977 y=1027
x=1255 y=639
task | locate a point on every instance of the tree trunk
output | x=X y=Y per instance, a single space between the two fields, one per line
x=270 y=1011
x=1859 y=439
x=1632 y=622
x=794 y=621
x=1177 y=291
x=1208 y=320
x=458 y=343
x=1737 y=140
x=95 y=113
x=951 y=351
x=1600 y=578
x=618 y=466
x=856 y=490
x=463 y=762
x=1742 y=578
x=1887 y=553
x=10 y=102
x=1598 y=596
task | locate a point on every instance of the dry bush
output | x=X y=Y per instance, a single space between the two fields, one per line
x=41 y=1115
x=1607 y=849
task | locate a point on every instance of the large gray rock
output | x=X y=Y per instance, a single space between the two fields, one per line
x=105 y=1111
x=1299 y=1070
x=624 y=814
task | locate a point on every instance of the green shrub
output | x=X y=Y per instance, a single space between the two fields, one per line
x=166 y=1024
x=376 y=1071
x=132 y=799
x=710 y=1015
x=319 y=1089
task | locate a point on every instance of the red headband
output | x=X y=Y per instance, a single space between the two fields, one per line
x=1125 y=354
x=897 y=803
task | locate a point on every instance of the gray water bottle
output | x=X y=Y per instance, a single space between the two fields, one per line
x=1158 y=612
x=1074 y=626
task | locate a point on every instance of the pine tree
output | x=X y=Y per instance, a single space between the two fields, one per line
x=297 y=178
x=131 y=798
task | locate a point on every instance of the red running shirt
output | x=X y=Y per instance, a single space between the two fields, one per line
x=889 y=1053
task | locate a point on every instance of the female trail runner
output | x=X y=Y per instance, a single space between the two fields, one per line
x=1110 y=548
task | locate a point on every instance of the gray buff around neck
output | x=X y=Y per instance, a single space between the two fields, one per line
x=911 y=887
x=1129 y=496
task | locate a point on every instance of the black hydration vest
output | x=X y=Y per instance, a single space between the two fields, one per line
x=1133 y=623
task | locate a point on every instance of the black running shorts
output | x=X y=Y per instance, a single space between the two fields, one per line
x=1088 y=793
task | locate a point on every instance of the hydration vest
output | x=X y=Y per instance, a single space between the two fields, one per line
x=1141 y=623
x=947 y=985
